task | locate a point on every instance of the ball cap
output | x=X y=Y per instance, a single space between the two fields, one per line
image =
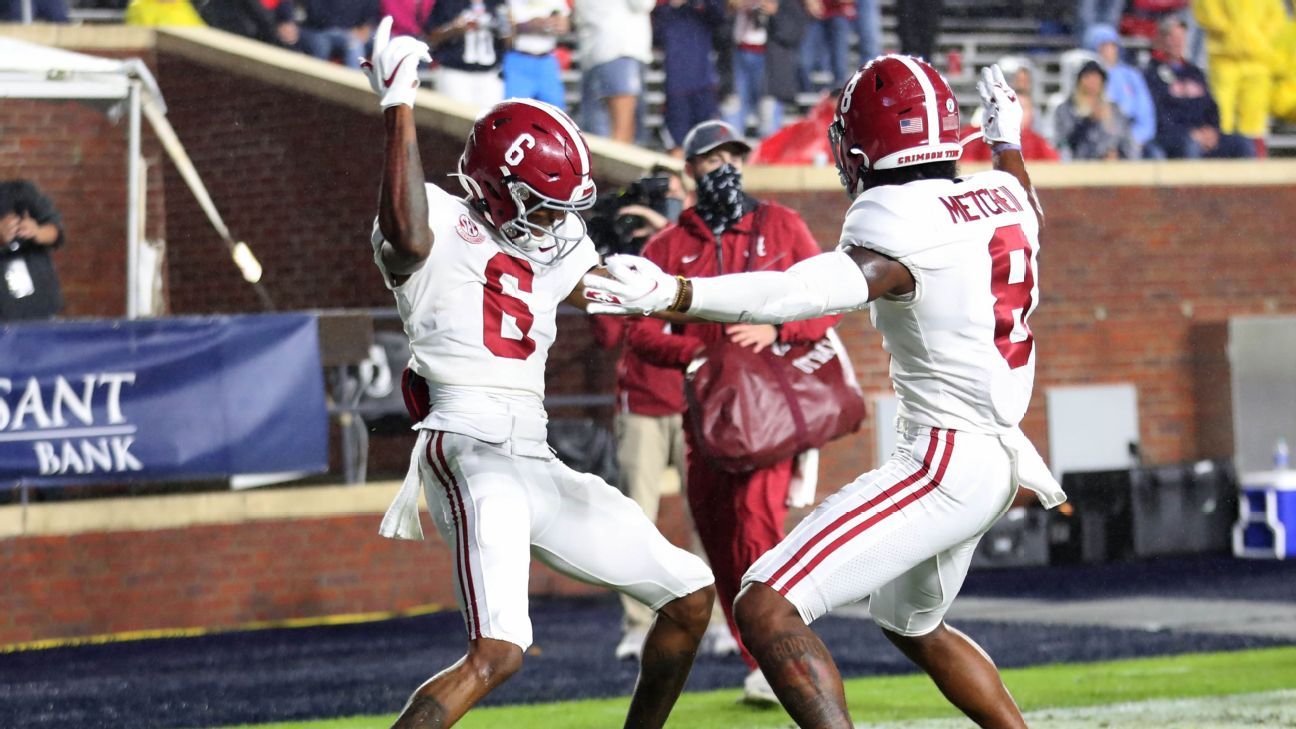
x=708 y=135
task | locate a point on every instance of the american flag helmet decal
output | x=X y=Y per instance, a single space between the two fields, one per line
x=912 y=125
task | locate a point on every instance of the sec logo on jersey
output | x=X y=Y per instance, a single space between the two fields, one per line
x=469 y=230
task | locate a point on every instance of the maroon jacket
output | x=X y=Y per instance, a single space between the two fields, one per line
x=688 y=249
x=642 y=388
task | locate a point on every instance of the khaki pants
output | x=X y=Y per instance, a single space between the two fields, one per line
x=649 y=448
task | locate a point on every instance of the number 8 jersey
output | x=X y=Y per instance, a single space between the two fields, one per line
x=480 y=317
x=962 y=355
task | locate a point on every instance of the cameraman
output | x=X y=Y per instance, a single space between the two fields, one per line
x=658 y=214
x=30 y=228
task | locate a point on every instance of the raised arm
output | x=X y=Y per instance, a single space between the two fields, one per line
x=402 y=198
x=1002 y=131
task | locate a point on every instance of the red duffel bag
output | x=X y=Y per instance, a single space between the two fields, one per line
x=750 y=410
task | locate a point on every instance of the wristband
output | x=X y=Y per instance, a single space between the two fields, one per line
x=682 y=286
x=1005 y=147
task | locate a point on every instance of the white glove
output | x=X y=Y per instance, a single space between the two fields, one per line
x=1001 y=109
x=393 y=70
x=636 y=286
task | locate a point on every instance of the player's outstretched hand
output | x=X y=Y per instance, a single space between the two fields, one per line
x=1001 y=109
x=393 y=70
x=633 y=285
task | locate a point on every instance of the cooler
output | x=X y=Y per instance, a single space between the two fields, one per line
x=1266 y=526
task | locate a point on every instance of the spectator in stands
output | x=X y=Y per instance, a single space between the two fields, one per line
x=251 y=18
x=467 y=46
x=825 y=46
x=1089 y=126
x=30 y=227
x=1034 y=147
x=614 y=47
x=683 y=29
x=1091 y=13
x=783 y=76
x=43 y=11
x=751 y=35
x=868 y=29
x=738 y=516
x=1126 y=87
x=1187 y=116
x=285 y=15
x=1240 y=48
x=409 y=17
x=162 y=12
x=1283 y=100
x=1024 y=78
x=338 y=29
x=1143 y=17
x=918 y=24
x=531 y=68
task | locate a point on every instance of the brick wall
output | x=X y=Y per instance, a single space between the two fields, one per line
x=223 y=576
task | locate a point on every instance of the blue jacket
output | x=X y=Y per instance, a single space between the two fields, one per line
x=684 y=34
x=1126 y=87
x=1183 y=100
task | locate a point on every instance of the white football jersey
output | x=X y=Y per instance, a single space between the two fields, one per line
x=480 y=317
x=962 y=355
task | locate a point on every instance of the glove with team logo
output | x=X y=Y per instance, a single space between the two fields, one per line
x=393 y=70
x=633 y=285
x=1001 y=109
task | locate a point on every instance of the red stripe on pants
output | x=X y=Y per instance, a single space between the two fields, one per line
x=879 y=516
x=451 y=486
x=886 y=494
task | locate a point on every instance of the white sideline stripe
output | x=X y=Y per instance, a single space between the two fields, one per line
x=1267 y=708
x=1152 y=614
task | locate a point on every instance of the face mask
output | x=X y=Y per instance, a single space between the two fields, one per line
x=720 y=197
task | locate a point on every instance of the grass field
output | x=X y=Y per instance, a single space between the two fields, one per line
x=1172 y=692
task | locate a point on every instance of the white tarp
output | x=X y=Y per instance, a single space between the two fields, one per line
x=32 y=71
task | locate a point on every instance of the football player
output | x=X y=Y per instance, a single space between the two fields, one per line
x=478 y=281
x=947 y=266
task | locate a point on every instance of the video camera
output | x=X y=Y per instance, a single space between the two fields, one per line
x=613 y=232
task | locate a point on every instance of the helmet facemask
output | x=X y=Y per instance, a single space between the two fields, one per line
x=850 y=174
x=528 y=237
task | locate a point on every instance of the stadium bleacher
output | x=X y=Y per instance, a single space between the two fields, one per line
x=973 y=35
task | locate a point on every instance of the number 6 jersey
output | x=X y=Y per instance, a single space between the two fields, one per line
x=480 y=317
x=962 y=355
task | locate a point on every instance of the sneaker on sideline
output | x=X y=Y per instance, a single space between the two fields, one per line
x=718 y=641
x=757 y=691
x=631 y=645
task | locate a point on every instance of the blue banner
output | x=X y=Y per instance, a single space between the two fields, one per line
x=180 y=398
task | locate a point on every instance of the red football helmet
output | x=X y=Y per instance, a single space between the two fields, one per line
x=895 y=111
x=521 y=156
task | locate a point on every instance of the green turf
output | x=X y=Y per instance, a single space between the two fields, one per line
x=899 y=698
